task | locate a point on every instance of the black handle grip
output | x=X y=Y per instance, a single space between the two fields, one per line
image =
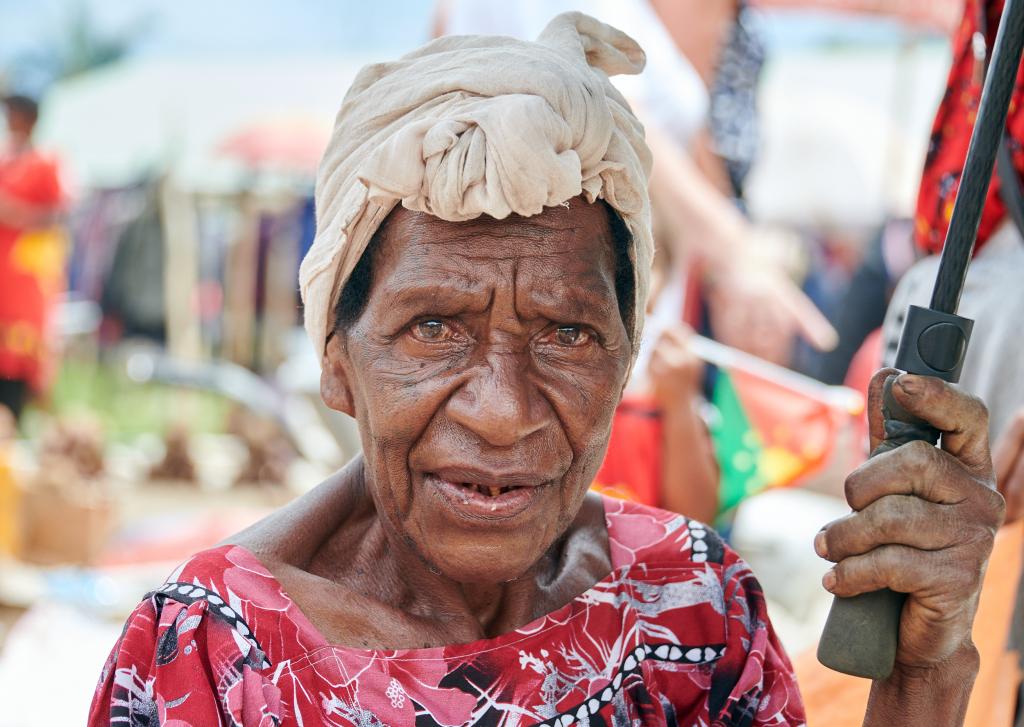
x=861 y=633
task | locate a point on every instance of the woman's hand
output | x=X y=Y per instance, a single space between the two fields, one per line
x=923 y=524
x=754 y=305
x=1008 y=459
x=675 y=372
x=761 y=310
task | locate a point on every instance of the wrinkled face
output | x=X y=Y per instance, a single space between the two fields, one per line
x=484 y=372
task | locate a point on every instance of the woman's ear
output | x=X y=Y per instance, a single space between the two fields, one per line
x=335 y=388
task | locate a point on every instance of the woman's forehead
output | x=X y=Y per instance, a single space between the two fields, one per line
x=562 y=241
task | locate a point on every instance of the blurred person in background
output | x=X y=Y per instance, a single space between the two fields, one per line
x=993 y=294
x=696 y=98
x=859 y=309
x=738 y=291
x=32 y=253
x=722 y=40
x=689 y=470
x=661 y=452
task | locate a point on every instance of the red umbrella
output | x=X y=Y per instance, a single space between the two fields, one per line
x=289 y=143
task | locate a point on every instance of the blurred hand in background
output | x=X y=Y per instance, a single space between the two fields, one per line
x=689 y=470
x=759 y=309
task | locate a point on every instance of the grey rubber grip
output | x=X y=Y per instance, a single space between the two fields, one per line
x=862 y=632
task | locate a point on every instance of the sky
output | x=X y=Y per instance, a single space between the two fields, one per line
x=218 y=27
x=365 y=28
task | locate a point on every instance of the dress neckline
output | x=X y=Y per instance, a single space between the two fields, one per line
x=560 y=617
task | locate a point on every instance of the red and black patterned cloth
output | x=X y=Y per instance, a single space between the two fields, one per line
x=677 y=633
x=951 y=132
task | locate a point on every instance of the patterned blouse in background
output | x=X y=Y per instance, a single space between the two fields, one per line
x=951 y=131
x=676 y=634
x=733 y=118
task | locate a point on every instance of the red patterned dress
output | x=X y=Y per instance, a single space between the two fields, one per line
x=676 y=634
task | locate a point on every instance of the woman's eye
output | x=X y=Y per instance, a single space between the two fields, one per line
x=430 y=330
x=571 y=336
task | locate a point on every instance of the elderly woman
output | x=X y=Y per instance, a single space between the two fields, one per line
x=476 y=292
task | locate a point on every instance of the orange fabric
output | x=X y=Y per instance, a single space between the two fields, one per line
x=865 y=363
x=797 y=432
x=838 y=700
x=31 y=269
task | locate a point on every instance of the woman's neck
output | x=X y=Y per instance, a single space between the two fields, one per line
x=361 y=585
x=374 y=560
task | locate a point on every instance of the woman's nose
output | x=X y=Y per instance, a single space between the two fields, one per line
x=499 y=403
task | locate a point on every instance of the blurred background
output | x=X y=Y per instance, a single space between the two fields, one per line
x=153 y=220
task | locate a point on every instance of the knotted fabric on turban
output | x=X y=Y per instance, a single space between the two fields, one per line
x=473 y=125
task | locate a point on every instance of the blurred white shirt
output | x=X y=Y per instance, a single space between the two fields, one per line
x=668 y=93
x=994 y=298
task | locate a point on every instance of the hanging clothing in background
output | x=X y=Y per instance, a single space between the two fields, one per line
x=307 y=224
x=133 y=292
x=94 y=224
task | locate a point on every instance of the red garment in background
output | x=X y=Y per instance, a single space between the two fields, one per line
x=677 y=633
x=632 y=465
x=951 y=133
x=31 y=269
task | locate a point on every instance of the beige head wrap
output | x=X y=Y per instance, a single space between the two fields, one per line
x=472 y=125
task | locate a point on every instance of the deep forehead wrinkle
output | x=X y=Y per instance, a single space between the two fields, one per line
x=441 y=298
x=507 y=253
x=591 y=295
x=452 y=275
x=464 y=266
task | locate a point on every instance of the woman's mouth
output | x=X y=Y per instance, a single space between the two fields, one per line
x=484 y=500
x=489 y=490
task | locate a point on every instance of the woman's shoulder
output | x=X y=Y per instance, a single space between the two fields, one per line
x=212 y=567
x=682 y=576
x=237 y=589
x=194 y=624
x=200 y=620
x=223 y=588
x=641 y=534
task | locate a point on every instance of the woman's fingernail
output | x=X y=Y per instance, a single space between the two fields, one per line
x=820 y=546
x=828 y=581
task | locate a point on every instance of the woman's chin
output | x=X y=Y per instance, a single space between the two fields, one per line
x=484 y=566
